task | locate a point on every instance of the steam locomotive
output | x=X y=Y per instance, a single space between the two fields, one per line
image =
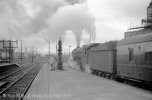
x=128 y=59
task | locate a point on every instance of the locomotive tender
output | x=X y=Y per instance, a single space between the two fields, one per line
x=81 y=54
x=102 y=59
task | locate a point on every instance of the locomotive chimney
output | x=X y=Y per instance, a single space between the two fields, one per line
x=78 y=46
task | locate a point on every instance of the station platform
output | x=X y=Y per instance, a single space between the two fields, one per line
x=7 y=66
x=75 y=85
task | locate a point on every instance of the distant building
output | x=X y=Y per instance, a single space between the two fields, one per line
x=146 y=25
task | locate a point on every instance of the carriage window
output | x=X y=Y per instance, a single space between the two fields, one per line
x=148 y=58
x=131 y=52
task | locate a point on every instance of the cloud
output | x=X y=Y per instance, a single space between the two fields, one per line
x=52 y=17
x=114 y=17
x=72 y=17
x=72 y=2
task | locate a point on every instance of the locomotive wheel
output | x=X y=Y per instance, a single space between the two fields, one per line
x=112 y=77
x=95 y=72
x=104 y=75
x=100 y=74
x=92 y=71
x=107 y=76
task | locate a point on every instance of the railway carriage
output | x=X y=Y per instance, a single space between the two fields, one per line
x=134 y=58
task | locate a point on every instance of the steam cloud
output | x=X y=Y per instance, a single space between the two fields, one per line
x=48 y=18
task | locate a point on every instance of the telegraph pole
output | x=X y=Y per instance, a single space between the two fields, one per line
x=10 y=53
x=33 y=54
x=21 y=53
x=48 y=41
x=56 y=48
x=69 y=50
x=9 y=48
x=49 y=49
x=90 y=38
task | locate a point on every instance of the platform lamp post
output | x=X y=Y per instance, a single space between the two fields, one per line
x=56 y=46
x=48 y=41
x=33 y=51
x=69 y=51
x=60 y=54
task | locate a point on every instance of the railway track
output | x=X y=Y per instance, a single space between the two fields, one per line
x=17 y=83
x=6 y=67
x=10 y=72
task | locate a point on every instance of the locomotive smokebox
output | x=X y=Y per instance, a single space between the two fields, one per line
x=78 y=46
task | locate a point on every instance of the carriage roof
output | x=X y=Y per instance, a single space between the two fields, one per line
x=136 y=39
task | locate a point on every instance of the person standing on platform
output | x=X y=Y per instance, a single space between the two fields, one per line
x=51 y=63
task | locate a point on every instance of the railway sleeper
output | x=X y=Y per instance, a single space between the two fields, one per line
x=27 y=80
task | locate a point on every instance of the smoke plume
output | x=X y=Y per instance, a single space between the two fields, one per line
x=47 y=18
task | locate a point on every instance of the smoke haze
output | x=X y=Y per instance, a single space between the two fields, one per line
x=47 y=18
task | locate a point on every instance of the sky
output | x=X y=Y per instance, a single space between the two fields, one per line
x=38 y=21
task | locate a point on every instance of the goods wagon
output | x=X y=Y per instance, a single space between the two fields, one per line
x=134 y=58
x=102 y=59
x=85 y=55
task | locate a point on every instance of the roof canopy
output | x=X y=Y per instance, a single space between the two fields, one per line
x=105 y=46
